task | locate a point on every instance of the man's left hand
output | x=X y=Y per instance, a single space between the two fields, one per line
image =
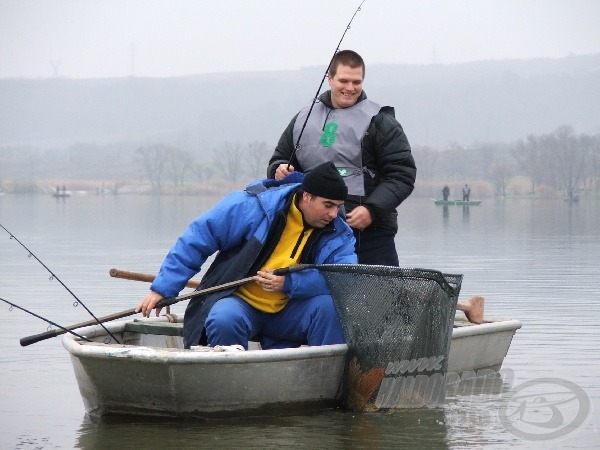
x=359 y=218
x=269 y=281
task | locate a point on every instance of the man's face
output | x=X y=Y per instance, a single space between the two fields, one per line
x=346 y=86
x=319 y=211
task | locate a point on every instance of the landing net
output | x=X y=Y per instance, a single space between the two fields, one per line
x=398 y=326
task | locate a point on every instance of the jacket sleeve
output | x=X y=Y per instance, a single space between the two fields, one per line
x=226 y=225
x=388 y=150
x=284 y=151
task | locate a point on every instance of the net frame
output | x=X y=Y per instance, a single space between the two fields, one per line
x=398 y=324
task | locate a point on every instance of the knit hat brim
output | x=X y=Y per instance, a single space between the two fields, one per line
x=325 y=181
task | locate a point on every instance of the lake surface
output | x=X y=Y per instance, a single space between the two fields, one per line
x=533 y=260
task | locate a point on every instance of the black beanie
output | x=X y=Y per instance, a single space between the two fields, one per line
x=325 y=181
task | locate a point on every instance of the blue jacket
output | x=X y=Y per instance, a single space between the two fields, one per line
x=244 y=228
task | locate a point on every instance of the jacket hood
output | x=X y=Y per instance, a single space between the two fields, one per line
x=259 y=186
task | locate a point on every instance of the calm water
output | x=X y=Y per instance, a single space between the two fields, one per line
x=536 y=261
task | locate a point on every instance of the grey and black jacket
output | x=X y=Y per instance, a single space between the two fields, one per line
x=387 y=162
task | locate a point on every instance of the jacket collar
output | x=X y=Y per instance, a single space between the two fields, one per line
x=325 y=98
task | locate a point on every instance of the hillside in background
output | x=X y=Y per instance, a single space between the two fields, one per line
x=482 y=101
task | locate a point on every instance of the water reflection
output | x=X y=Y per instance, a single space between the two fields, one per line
x=331 y=429
x=481 y=386
x=533 y=260
x=469 y=400
x=465 y=214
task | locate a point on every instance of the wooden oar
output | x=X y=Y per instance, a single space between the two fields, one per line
x=164 y=302
x=136 y=276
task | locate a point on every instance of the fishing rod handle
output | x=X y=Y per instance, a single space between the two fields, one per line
x=53 y=333
x=292 y=269
x=164 y=302
x=39 y=337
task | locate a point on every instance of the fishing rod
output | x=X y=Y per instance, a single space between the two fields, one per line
x=297 y=146
x=161 y=304
x=53 y=276
x=66 y=330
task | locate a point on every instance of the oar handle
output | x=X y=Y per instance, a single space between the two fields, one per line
x=136 y=276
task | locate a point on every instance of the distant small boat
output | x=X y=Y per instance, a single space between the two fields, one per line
x=457 y=202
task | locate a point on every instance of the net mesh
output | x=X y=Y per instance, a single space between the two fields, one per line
x=398 y=326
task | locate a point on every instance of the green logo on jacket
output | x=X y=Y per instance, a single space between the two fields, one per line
x=328 y=137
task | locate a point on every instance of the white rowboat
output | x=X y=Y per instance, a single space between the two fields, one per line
x=151 y=374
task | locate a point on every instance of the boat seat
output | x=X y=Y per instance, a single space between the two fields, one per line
x=160 y=328
x=176 y=329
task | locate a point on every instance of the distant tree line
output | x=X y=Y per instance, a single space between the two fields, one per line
x=160 y=164
x=232 y=161
x=562 y=160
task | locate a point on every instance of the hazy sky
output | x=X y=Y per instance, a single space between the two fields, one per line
x=161 y=38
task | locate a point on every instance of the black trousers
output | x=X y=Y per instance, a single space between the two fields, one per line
x=376 y=246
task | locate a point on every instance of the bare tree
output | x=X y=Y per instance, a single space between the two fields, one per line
x=567 y=159
x=595 y=150
x=456 y=160
x=229 y=159
x=528 y=154
x=202 y=171
x=427 y=161
x=591 y=147
x=258 y=157
x=178 y=163
x=154 y=158
x=500 y=174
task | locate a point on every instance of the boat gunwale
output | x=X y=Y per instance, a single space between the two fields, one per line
x=489 y=326
x=99 y=350
x=79 y=348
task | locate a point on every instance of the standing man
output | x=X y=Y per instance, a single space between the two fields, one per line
x=369 y=149
x=268 y=226
x=445 y=193
x=466 y=193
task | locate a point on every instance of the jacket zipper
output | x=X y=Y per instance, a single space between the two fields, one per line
x=300 y=237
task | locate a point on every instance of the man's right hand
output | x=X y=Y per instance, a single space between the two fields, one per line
x=283 y=171
x=148 y=303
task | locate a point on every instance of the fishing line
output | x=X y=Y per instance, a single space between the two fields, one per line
x=13 y=305
x=53 y=276
x=297 y=146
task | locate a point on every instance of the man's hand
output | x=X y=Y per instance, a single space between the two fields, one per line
x=359 y=218
x=283 y=171
x=148 y=303
x=268 y=281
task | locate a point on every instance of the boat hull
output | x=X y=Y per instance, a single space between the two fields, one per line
x=151 y=374
x=480 y=347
